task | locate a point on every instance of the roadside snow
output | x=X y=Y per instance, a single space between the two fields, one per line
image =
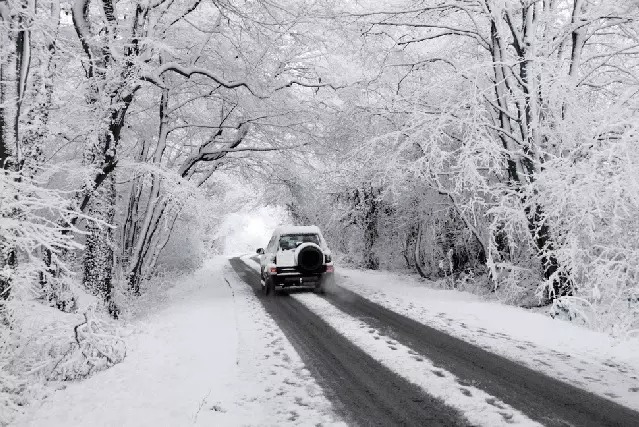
x=248 y=260
x=477 y=406
x=582 y=357
x=211 y=357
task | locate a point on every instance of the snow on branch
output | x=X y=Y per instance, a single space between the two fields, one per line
x=4 y=11
x=236 y=150
x=311 y=85
x=209 y=156
x=156 y=76
x=446 y=30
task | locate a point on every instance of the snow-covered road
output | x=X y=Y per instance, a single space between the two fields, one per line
x=573 y=353
x=486 y=387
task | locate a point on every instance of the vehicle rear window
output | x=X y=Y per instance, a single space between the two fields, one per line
x=291 y=241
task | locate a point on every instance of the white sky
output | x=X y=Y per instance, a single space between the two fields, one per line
x=247 y=231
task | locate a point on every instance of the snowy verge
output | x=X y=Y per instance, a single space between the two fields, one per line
x=479 y=407
x=175 y=358
x=585 y=358
x=44 y=348
x=210 y=356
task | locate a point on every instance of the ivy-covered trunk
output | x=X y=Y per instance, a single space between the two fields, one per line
x=8 y=127
x=99 y=248
x=5 y=151
x=371 y=217
x=110 y=77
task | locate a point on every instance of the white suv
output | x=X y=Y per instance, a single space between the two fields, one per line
x=296 y=256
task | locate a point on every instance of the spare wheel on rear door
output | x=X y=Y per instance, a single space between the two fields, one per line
x=310 y=257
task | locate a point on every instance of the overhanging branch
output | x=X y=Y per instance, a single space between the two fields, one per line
x=156 y=76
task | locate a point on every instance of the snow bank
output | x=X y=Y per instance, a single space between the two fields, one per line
x=591 y=360
x=174 y=360
x=45 y=345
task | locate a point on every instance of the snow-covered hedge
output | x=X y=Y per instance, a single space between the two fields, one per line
x=48 y=328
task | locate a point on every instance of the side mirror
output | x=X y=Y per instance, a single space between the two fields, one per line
x=260 y=251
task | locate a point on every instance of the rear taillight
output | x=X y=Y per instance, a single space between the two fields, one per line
x=273 y=270
x=329 y=269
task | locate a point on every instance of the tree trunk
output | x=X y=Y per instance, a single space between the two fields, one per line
x=154 y=207
x=418 y=252
x=153 y=216
x=98 y=258
x=131 y=226
x=161 y=242
x=370 y=227
x=9 y=83
x=5 y=133
x=8 y=95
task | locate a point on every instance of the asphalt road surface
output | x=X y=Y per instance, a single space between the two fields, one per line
x=366 y=393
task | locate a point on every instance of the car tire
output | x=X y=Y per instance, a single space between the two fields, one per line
x=269 y=286
x=327 y=283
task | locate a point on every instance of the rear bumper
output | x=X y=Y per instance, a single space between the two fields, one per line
x=291 y=276
x=285 y=271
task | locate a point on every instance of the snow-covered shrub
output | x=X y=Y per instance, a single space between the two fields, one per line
x=590 y=198
x=45 y=344
x=96 y=346
x=9 y=382
x=34 y=221
x=184 y=251
x=37 y=338
x=447 y=247
x=64 y=346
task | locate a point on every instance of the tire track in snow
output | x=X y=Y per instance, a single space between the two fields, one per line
x=543 y=398
x=479 y=407
x=361 y=389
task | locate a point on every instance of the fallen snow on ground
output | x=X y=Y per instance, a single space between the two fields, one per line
x=275 y=387
x=212 y=356
x=250 y=261
x=582 y=357
x=477 y=406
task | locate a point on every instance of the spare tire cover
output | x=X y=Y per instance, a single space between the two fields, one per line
x=309 y=257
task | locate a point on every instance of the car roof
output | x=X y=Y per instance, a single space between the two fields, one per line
x=297 y=229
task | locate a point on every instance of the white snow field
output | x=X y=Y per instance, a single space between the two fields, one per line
x=591 y=360
x=211 y=357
